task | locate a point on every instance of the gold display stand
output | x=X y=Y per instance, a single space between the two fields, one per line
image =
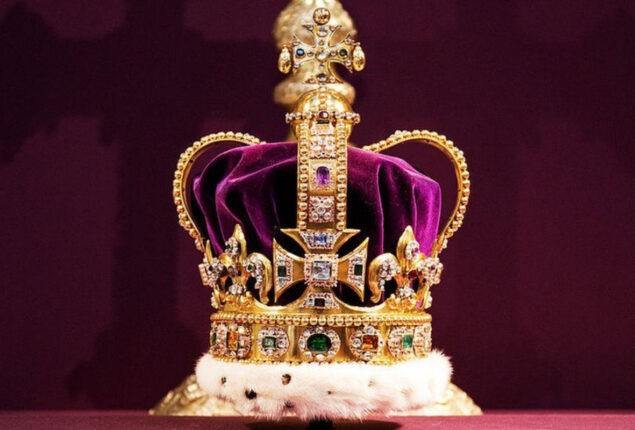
x=189 y=400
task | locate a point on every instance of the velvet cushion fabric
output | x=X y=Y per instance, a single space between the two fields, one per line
x=255 y=186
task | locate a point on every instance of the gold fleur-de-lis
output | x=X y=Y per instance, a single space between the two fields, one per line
x=413 y=272
x=228 y=274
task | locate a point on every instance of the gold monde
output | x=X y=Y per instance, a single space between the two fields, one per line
x=318 y=326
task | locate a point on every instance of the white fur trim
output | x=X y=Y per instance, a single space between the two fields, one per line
x=320 y=390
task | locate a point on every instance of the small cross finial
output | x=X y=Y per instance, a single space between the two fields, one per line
x=323 y=51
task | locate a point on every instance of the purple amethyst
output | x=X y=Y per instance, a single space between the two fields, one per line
x=323 y=175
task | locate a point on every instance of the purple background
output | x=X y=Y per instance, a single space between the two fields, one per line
x=100 y=301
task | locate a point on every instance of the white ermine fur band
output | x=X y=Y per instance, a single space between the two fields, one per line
x=320 y=390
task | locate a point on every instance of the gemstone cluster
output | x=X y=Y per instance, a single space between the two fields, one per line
x=357 y=269
x=423 y=340
x=321 y=209
x=273 y=342
x=230 y=340
x=401 y=342
x=283 y=270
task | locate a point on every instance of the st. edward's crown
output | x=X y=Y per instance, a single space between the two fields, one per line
x=318 y=296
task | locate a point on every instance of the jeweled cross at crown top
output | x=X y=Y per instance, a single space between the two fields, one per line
x=346 y=52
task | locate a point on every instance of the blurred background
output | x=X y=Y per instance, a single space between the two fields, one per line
x=101 y=304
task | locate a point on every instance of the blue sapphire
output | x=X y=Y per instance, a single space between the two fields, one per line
x=299 y=52
x=320 y=239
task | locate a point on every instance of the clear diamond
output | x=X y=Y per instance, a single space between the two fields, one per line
x=321 y=270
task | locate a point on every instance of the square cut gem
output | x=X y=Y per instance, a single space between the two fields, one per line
x=370 y=342
x=321 y=270
x=319 y=302
x=269 y=342
x=406 y=340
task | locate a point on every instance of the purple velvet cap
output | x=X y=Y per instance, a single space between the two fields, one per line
x=255 y=186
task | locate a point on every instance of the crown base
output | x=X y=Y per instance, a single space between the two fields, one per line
x=341 y=338
x=334 y=391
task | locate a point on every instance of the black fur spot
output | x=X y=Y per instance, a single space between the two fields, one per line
x=250 y=394
x=286 y=378
x=223 y=380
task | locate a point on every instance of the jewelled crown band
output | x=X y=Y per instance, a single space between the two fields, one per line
x=320 y=326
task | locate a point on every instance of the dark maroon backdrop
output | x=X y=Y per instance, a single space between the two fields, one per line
x=100 y=302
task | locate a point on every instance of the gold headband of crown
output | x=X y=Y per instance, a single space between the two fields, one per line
x=319 y=325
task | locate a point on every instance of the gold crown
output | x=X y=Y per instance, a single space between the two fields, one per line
x=319 y=325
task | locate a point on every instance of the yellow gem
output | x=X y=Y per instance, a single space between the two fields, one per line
x=321 y=15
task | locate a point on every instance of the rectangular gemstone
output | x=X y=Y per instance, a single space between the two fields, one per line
x=358 y=269
x=406 y=340
x=321 y=270
x=319 y=302
x=269 y=342
x=232 y=340
x=319 y=239
x=319 y=342
x=282 y=271
x=370 y=342
x=322 y=175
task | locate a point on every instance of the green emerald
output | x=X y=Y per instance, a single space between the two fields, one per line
x=282 y=271
x=213 y=338
x=358 y=269
x=269 y=342
x=343 y=52
x=406 y=340
x=319 y=343
x=250 y=267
